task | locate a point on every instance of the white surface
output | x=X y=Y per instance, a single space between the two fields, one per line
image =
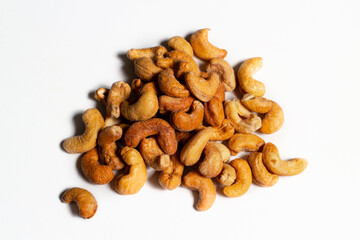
x=54 y=53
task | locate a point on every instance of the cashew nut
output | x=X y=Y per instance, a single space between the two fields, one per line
x=145 y=108
x=260 y=174
x=169 y=85
x=246 y=82
x=256 y=104
x=146 y=69
x=94 y=172
x=203 y=48
x=178 y=55
x=153 y=155
x=225 y=72
x=110 y=121
x=138 y=87
x=132 y=182
x=222 y=133
x=243 y=179
x=227 y=175
x=191 y=152
x=85 y=201
x=153 y=53
x=118 y=93
x=214 y=112
x=94 y=122
x=233 y=109
x=274 y=164
x=165 y=63
x=181 y=68
x=201 y=88
x=273 y=119
x=101 y=95
x=170 y=178
x=108 y=148
x=224 y=151
x=248 y=142
x=179 y=43
x=183 y=137
x=220 y=92
x=212 y=163
x=186 y=122
x=172 y=104
x=155 y=126
x=206 y=188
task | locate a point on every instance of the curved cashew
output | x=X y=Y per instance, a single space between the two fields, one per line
x=206 y=188
x=233 y=109
x=153 y=155
x=274 y=164
x=256 y=104
x=227 y=175
x=110 y=121
x=191 y=152
x=85 y=201
x=246 y=82
x=212 y=163
x=155 y=126
x=203 y=48
x=172 y=104
x=243 y=179
x=181 y=68
x=183 y=137
x=214 y=112
x=225 y=72
x=248 y=142
x=260 y=174
x=146 y=69
x=145 y=108
x=178 y=55
x=118 y=93
x=273 y=119
x=136 y=178
x=202 y=89
x=169 y=85
x=94 y=122
x=101 y=95
x=185 y=122
x=220 y=92
x=165 y=63
x=138 y=87
x=170 y=178
x=94 y=172
x=179 y=43
x=153 y=53
x=224 y=151
x=222 y=133
x=108 y=148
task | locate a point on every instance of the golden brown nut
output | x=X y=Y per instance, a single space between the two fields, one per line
x=132 y=182
x=94 y=122
x=153 y=53
x=146 y=69
x=186 y=122
x=181 y=68
x=220 y=92
x=201 y=88
x=224 y=151
x=145 y=108
x=170 y=178
x=94 y=172
x=206 y=188
x=110 y=121
x=138 y=87
x=101 y=95
x=214 y=112
x=165 y=63
x=273 y=120
x=178 y=55
x=225 y=72
x=256 y=104
x=212 y=163
x=227 y=175
x=108 y=148
x=224 y=132
x=153 y=155
x=260 y=174
x=172 y=104
x=179 y=43
x=203 y=48
x=169 y=85
x=274 y=164
x=248 y=142
x=183 y=137
x=85 y=201
x=243 y=179
x=246 y=82
x=155 y=126
x=119 y=92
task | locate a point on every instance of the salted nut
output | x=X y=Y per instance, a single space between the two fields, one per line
x=145 y=108
x=248 y=142
x=118 y=93
x=243 y=179
x=201 y=88
x=186 y=122
x=153 y=155
x=178 y=55
x=179 y=43
x=169 y=85
x=146 y=69
x=273 y=120
x=173 y=104
x=274 y=164
x=212 y=163
x=225 y=72
x=227 y=175
x=203 y=48
x=256 y=104
x=170 y=178
x=84 y=200
x=108 y=148
x=261 y=175
x=246 y=82
x=152 y=53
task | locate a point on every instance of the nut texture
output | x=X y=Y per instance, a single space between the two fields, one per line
x=248 y=142
x=85 y=201
x=212 y=163
x=179 y=43
x=146 y=69
x=152 y=53
x=118 y=93
x=170 y=178
x=246 y=82
x=224 y=151
x=108 y=148
x=201 y=88
x=186 y=122
x=173 y=104
x=243 y=179
x=256 y=104
x=145 y=108
x=225 y=72
x=227 y=175
x=178 y=55
x=214 y=112
x=153 y=155
x=273 y=120
x=260 y=174
x=203 y=48
x=169 y=85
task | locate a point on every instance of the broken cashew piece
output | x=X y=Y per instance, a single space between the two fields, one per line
x=132 y=182
x=248 y=142
x=179 y=43
x=243 y=179
x=173 y=104
x=145 y=108
x=101 y=95
x=169 y=85
x=203 y=48
x=170 y=178
x=153 y=53
x=256 y=104
x=146 y=69
x=206 y=188
x=118 y=93
x=108 y=148
x=260 y=174
x=245 y=77
x=186 y=122
x=225 y=72
x=201 y=88
x=94 y=172
x=212 y=163
x=85 y=201
x=274 y=164
x=273 y=120
x=227 y=175
x=153 y=155
x=94 y=122
x=178 y=55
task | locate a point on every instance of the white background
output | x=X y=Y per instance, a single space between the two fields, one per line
x=53 y=54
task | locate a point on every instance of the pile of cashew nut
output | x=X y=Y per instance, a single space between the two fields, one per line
x=175 y=119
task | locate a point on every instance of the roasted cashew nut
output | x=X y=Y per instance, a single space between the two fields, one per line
x=256 y=104
x=153 y=53
x=225 y=72
x=179 y=43
x=94 y=122
x=243 y=179
x=212 y=163
x=203 y=48
x=138 y=87
x=153 y=155
x=178 y=55
x=274 y=164
x=132 y=182
x=165 y=63
x=108 y=148
x=170 y=178
x=261 y=175
x=206 y=188
x=246 y=82
x=183 y=137
x=222 y=133
x=146 y=69
x=181 y=68
x=155 y=126
x=173 y=104
x=201 y=88
x=118 y=93
x=145 y=108
x=186 y=122
x=101 y=95
x=84 y=200
x=227 y=175
x=214 y=112
x=248 y=142
x=94 y=172
x=273 y=120
x=169 y=85
x=224 y=151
